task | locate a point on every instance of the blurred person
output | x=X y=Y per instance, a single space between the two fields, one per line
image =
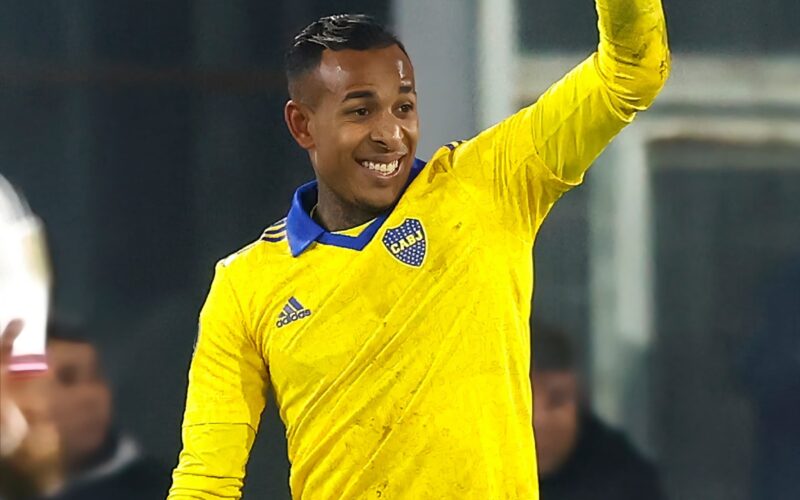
x=99 y=462
x=771 y=370
x=368 y=308
x=579 y=456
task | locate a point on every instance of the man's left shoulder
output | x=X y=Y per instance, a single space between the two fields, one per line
x=619 y=469
x=615 y=447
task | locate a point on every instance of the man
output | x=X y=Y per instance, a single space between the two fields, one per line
x=367 y=310
x=98 y=463
x=579 y=457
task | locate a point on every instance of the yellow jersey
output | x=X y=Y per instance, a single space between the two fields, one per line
x=399 y=352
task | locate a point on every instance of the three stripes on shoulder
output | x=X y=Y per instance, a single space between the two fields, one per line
x=275 y=232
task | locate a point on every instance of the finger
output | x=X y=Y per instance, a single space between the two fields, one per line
x=9 y=335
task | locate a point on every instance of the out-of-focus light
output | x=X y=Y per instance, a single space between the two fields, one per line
x=24 y=278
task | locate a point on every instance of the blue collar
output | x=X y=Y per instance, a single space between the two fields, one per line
x=302 y=230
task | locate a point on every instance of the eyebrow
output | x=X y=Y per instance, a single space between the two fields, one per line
x=358 y=94
x=368 y=94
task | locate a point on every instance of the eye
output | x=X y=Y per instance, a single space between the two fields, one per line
x=360 y=112
x=67 y=376
x=407 y=108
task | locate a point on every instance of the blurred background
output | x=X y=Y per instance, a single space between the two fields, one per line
x=149 y=137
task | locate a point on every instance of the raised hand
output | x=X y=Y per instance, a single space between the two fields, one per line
x=28 y=438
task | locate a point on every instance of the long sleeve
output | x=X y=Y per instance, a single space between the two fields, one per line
x=226 y=395
x=603 y=94
x=523 y=164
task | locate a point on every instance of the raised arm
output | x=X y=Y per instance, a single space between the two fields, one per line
x=523 y=164
x=226 y=395
x=575 y=120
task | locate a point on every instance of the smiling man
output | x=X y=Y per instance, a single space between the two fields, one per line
x=362 y=164
x=389 y=310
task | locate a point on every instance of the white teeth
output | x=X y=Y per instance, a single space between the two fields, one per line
x=383 y=168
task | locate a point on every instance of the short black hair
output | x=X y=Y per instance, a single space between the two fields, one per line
x=339 y=32
x=59 y=328
x=552 y=349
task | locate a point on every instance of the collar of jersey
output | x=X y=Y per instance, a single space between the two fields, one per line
x=302 y=230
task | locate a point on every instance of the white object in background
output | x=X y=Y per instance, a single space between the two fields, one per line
x=24 y=279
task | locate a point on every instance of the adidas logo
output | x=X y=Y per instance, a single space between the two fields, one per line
x=292 y=311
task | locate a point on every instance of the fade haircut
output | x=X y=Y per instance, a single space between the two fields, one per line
x=339 y=32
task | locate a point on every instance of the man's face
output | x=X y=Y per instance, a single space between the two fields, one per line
x=362 y=125
x=81 y=398
x=555 y=418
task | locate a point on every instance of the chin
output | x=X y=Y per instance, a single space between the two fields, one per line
x=383 y=198
x=378 y=204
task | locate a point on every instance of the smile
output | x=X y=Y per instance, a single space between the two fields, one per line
x=385 y=169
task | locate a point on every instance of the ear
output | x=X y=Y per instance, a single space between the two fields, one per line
x=298 y=119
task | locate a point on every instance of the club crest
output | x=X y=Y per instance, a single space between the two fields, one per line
x=406 y=242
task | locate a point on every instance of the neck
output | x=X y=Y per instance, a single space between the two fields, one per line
x=335 y=215
x=78 y=463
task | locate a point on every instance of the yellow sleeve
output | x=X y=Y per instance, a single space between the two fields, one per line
x=527 y=161
x=226 y=395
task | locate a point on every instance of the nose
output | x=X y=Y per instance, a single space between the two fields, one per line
x=388 y=133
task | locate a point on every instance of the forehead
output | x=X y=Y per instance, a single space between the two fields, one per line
x=343 y=70
x=554 y=380
x=63 y=353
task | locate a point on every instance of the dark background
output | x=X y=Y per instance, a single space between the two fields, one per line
x=149 y=137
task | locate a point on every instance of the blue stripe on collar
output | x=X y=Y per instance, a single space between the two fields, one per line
x=302 y=230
